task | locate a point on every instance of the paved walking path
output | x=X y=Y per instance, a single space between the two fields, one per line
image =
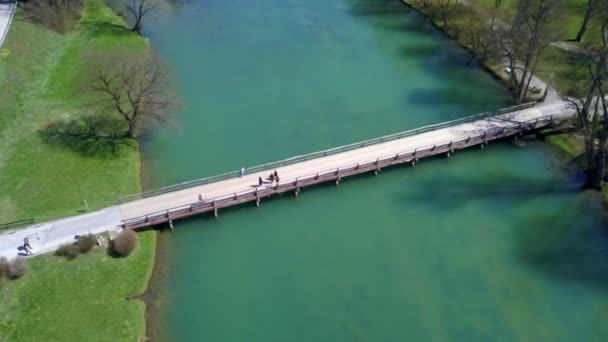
x=7 y=10
x=46 y=237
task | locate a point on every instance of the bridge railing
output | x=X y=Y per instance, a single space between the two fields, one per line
x=324 y=153
x=16 y=223
x=252 y=194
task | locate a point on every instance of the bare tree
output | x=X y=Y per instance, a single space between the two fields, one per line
x=588 y=98
x=445 y=7
x=137 y=89
x=477 y=31
x=524 y=39
x=495 y=10
x=59 y=15
x=586 y=19
x=140 y=9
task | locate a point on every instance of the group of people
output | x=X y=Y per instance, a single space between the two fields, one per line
x=273 y=177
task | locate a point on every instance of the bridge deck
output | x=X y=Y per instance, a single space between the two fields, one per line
x=161 y=205
x=181 y=203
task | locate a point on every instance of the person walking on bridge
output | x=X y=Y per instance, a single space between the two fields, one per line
x=260 y=181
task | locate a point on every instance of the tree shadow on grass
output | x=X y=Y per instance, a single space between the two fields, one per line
x=97 y=136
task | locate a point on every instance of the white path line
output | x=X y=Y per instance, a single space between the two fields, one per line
x=7 y=11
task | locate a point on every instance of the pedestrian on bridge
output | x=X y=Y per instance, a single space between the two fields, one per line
x=271 y=177
x=276 y=174
x=243 y=172
x=260 y=181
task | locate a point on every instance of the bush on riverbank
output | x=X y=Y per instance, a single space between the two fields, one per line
x=58 y=15
x=17 y=268
x=71 y=251
x=3 y=267
x=13 y=269
x=125 y=242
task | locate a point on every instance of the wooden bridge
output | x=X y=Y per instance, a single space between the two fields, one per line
x=181 y=200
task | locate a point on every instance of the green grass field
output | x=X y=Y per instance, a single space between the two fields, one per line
x=92 y=298
x=41 y=71
x=570 y=24
x=87 y=299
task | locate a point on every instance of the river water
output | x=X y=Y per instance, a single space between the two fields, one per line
x=494 y=244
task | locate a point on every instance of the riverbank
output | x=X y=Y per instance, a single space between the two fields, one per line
x=555 y=65
x=95 y=296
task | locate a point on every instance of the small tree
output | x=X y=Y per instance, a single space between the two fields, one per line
x=17 y=268
x=125 y=242
x=445 y=9
x=140 y=9
x=588 y=98
x=522 y=41
x=591 y=6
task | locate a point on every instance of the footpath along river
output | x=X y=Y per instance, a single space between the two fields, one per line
x=488 y=245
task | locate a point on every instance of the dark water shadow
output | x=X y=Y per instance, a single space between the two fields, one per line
x=451 y=193
x=376 y=8
x=568 y=246
x=452 y=96
x=567 y=241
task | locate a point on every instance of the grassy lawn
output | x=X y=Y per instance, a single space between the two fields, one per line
x=41 y=71
x=570 y=24
x=570 y=144
x=87 y=299
x=60 y=300
x=556 y=67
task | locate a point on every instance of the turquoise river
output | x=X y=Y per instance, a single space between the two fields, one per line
x=489 y=245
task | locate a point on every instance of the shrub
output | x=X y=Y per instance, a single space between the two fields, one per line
x=4 y=267
x=86 y=243
x=125 y=242
x=70 y=251
x=17 y=268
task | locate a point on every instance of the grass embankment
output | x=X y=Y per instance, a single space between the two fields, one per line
x=85 y=299
x=555 y=65
x=40 y=80
x=572 y=19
